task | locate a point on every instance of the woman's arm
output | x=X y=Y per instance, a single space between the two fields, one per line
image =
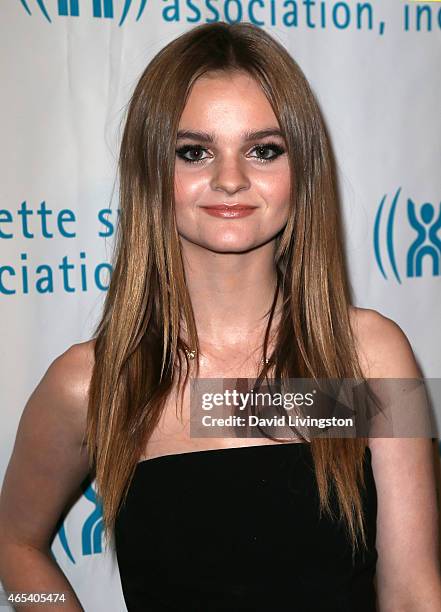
x=47 y=465
x=408 y=569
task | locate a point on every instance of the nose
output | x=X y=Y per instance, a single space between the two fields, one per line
x=230 y=175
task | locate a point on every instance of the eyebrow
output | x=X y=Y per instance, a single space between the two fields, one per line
x=246 y=136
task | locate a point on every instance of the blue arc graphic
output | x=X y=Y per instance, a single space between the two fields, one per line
x=377 y=237
x=41 y=6
x=389 y=236
x=126 y=8
x=64 y=543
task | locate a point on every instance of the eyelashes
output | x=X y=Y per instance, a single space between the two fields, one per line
x=182 y=152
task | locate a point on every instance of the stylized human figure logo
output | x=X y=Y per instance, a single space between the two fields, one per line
x=427 y=241
x=68 y=7
x=100 y=8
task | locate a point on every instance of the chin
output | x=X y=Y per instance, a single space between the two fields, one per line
x=218 y=243
x=230 y=246
x=230 y=249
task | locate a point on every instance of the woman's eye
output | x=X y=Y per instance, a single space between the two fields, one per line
x=263 y=150
x=183 y=151
x=195 y=153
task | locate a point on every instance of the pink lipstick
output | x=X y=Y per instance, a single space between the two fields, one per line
x=229 y=212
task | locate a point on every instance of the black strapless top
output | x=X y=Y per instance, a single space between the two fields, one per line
x=238 y=529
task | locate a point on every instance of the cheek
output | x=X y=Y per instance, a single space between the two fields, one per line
x=188 y=187
x=274 y=187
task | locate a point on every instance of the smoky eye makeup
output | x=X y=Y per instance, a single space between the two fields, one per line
x=186 y=152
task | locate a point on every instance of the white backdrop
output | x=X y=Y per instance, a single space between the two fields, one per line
x=68 y=68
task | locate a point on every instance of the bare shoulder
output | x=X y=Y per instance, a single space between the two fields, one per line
x=77 y=364
x=383 y=348
x=49 y=458
x=407 y=522
x=68 y=378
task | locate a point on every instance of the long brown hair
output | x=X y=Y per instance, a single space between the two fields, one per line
x=138 y=341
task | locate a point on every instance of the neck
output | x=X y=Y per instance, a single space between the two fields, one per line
x=231 y=294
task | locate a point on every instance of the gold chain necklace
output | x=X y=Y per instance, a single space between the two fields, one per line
x=191 y=354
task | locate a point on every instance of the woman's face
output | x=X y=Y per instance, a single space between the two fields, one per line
x=219 y=163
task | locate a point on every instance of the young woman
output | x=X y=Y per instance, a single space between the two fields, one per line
x=228 y=264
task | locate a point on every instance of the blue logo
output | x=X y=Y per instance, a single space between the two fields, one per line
x=425 y=221
x=91 y=531
x=99 y=8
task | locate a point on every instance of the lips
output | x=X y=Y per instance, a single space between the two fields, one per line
x=223 y=211
x=233 y=207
